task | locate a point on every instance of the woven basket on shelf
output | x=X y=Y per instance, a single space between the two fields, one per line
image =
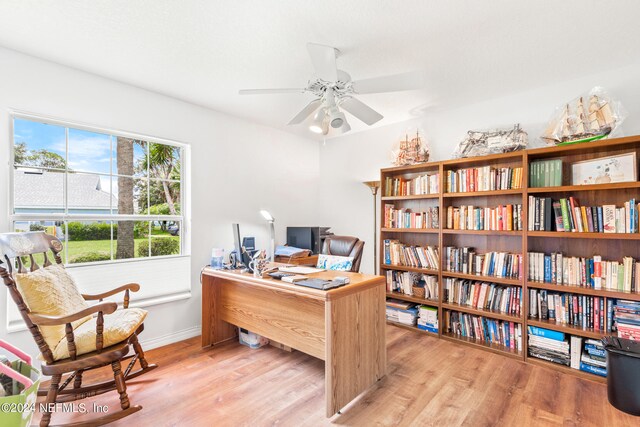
x=418 y=291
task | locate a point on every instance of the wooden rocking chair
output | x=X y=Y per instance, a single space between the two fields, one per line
x=38 y=290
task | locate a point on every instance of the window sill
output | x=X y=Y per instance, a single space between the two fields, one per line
x=19 y=325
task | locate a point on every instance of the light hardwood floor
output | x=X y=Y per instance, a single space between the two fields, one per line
x=430 y=382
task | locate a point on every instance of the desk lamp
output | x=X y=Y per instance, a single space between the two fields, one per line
x=272 y=232
x=374 y=185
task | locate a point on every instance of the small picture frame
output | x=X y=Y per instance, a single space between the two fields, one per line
x=605 y=170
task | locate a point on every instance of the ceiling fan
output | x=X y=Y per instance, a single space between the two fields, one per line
x=335 y=90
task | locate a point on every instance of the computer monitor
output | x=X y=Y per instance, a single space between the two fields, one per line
x=236 y=244
x=243 y=251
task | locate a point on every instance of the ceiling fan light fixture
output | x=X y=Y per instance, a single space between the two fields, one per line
x=346 y=127
x=336 y=118
x=318 y=123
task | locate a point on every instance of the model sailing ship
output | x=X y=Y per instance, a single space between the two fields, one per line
x=578 y=126
x=412 y=151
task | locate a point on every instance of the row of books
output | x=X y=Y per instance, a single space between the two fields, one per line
x=496 y=264
x=483 y=329
x=483 y=295
x=545 y=173
x=423 y=184
x=585 y=272
x=428 y=319
x=626 y=318
x=406 y=218
x=404 y=281
x=567 y=215
x=397 y=253
x=583 y=311
x=557 y=347
x=485 y=178
x=401 y=312
x=503 y=217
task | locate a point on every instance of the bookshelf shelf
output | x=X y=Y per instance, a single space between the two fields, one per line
x=593 y=187
x=483 y=193
x=610 y=246
x=483 y=232
x=569 y=329
x=412 y=197
x=502 y=280
x=411 y=328
x=586 y=375
x=411 y=298
x=494 y=348
x=486 y=313
x=585 y=291
x=567 y=235
x=410 y=230
x=412 y=269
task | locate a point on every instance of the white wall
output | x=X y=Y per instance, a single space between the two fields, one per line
x=346 y=161
x=237 y=168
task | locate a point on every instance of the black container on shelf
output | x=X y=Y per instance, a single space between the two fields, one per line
x=623 y=373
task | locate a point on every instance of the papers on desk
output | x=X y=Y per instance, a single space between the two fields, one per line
x=292 y=252
x=299 y=269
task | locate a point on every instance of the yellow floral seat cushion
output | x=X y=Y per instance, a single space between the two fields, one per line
x=53 y=292
x=117 y=327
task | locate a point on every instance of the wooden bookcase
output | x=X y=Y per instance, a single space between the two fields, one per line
x=609 y=246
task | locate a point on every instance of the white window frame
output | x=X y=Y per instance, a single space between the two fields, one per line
x=184 y=193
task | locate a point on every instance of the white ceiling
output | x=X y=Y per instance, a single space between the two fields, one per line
x=203 y=52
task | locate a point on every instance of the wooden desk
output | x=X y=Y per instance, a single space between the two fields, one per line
x=311 y=260
x=345 y=326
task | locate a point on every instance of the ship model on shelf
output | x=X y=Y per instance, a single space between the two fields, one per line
x=412 y=151
x=578 y=122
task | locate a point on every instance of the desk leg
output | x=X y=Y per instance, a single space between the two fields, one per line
x=356 y=354
x=214 y=330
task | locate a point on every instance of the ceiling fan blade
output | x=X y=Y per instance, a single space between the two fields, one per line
x=306 y=112
x=269 y=91
x=324 y=61
x=392 y=83
x=361 y=111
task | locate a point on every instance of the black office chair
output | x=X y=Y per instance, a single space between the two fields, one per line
x=345 y=246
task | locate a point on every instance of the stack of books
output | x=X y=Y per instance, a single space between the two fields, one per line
x=585 y=272
x=503 y=217
x=401 y=312
x=430 y=284
x=406 y=218
x=549 y=345
x=396 y=253
x=583 y=311
x=594 y=358
x=497 y=264
x=545 y=173
x=480 y=328
x=627 y=319
x=428 y=318
x=566 y=215
x=423 y=184
x=401 y=281
x=485 y=178
x=483 y=295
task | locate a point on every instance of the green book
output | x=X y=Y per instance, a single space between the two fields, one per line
x=620 y=277
x=564 y=206
x=558 y=163
x=547 y=173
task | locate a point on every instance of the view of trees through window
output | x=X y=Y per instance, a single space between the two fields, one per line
x=107 y=197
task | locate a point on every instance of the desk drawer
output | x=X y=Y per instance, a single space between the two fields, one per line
x=290 y=319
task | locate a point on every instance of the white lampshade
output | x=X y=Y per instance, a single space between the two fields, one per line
x=316 y=125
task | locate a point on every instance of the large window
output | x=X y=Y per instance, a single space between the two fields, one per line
x=106 y=196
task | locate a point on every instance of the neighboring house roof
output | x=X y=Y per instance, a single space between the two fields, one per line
x=45 y=189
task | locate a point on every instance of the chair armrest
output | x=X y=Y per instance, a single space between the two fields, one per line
x=133 y=287
x=44 y=320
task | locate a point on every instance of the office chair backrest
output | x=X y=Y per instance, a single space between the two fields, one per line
x=345 y=246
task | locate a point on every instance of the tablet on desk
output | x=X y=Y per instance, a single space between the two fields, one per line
x=299 y=269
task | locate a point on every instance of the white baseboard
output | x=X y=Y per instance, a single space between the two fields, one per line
x=171 y=338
